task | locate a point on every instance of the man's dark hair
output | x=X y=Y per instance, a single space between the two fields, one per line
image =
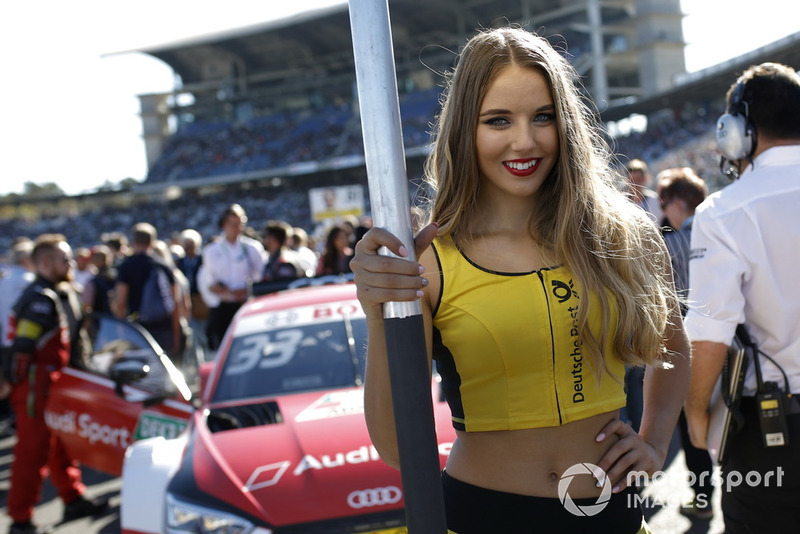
x=279 y=230
x=233 y=209
x=682 y=183
x=772 y=93
x=144 y=234
x=46 y=243
x=114 y=240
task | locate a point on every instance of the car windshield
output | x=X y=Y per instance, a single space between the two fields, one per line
x=301 y=356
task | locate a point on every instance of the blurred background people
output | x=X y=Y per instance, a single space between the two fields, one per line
x=336 y=256
x=84 y=270
x=130 y=291
x=230 y=264
x=640 y=189
x=19 y=275
x=283 y=263
x=97 y=293
x=299 y=242
x=183 y=300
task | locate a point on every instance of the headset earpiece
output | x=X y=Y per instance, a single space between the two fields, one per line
x=735 y=133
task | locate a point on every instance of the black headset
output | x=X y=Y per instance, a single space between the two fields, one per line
x=736 y=135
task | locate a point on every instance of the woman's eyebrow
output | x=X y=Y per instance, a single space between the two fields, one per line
x=547 y=107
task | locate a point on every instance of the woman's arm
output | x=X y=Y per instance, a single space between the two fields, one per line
x=380 y=279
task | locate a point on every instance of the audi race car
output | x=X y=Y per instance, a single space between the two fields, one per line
x=128 y=390
x=279 y=444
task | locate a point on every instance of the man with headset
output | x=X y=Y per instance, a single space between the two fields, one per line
x=743 y=270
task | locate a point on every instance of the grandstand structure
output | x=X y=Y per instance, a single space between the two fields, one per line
x=264 y=113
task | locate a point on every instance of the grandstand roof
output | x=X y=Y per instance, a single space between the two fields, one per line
x=321 y=38
x=711 y=84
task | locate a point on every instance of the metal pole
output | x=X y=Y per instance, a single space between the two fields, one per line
x=388 y=191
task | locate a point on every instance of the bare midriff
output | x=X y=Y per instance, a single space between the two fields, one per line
x=531 y=461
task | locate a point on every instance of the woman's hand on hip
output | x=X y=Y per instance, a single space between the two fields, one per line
x=630 y=454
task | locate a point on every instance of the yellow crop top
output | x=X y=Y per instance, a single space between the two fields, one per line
x=507 y=348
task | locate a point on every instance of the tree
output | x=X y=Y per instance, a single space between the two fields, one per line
x=48 y=189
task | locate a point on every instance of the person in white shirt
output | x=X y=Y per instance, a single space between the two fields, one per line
x=230 y=264
x=743 y=270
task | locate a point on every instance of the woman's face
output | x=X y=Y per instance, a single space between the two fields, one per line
x=516 y=137
x=232 y=226
x=341 y=241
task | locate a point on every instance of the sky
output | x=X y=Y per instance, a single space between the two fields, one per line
x=68 y=98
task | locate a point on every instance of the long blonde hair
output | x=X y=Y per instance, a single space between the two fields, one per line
x=609 y=245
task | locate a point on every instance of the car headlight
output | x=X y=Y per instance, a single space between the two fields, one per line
x=183 y=517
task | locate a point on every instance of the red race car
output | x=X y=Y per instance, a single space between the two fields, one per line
x=129 y=390
x=279 y=443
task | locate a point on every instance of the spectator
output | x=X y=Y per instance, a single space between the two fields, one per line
x=681 y=191
x=96 y=296
x=639 y=183
x=46 y=335
x=742 y=271
x=16 y=279
x=335 y=258
x=118 y=243
x=19 y=275
x=230 y=264
x=283 y=264
x=130 y=289
x=84 y=270
x=189 y=264
x=300 y=244
x=183 y=300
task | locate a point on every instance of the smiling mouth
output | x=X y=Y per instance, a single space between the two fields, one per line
x=522 y=167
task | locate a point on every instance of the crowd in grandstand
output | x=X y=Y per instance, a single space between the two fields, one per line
x=278 y=140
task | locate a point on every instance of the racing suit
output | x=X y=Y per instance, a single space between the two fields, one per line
x=41 y=347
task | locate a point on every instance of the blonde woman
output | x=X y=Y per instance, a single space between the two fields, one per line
x=541 y=281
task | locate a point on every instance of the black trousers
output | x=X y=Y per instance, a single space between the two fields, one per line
x=474 y=510
x=768 y=497
x=219 y=319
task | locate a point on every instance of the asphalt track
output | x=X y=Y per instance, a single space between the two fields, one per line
x=661 y=508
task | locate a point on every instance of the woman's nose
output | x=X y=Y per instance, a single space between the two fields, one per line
x=522 y=138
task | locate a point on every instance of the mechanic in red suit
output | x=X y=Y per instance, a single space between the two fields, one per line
x=47 y=324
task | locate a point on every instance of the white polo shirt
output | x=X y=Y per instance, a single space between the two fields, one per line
x=744 y=265
x=234 y=264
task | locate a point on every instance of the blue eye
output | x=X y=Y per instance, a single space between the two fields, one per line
x=496 y=121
